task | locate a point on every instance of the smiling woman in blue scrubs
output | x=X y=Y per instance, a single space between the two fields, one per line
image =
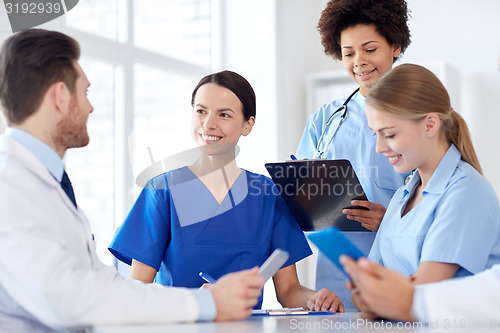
x=212 y=216
x=445 y=222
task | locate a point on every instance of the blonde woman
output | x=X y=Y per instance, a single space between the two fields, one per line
x=445 y=222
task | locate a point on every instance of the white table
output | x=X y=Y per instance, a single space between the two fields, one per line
x=341 y=322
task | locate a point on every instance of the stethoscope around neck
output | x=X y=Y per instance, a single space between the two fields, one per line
x=343 y=113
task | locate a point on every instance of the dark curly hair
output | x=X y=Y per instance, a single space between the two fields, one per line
x=389 y=16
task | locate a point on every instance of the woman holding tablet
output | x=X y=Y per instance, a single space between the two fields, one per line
x=212 y=216
x=445 y=222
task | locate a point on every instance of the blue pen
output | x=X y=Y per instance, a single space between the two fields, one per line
x=293 y=157
x=207 y=278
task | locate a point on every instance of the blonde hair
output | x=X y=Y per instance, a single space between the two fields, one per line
x=411 y=92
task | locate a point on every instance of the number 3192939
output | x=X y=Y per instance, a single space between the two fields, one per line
x=33 y=8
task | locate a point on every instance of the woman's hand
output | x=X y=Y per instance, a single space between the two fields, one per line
x=381 y=292
x=325 y=300
x=357 y=300
x=369 y=219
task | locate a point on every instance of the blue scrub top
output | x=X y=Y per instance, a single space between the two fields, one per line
x=177 y=227
x=356 y=142
x=457 y=221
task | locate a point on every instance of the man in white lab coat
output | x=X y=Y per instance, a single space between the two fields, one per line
x=50 y=276
x=462 y=303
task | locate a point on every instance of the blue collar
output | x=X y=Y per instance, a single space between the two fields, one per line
x=49 y=158
x=441 y=176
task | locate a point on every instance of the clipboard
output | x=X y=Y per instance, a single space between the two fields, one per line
x=316 y=191
x=289 y=312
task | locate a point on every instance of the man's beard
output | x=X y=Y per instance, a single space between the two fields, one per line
x=72 y=130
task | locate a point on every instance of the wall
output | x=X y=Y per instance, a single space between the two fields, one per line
x=299 y=53
x=248 y=47
x=464 y=36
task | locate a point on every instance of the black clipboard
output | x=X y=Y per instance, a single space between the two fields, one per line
x=316 y=191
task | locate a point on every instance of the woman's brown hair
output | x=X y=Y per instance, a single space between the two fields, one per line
x=411 y=92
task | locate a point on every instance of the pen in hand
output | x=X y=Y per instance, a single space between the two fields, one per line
x=207 y=278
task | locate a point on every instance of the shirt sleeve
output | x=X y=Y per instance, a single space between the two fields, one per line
x=467 y=215
x=309 y=141
x=145 y=233
x=64 y=286
x=206 y=304
x=466 y=302
x=79 y=296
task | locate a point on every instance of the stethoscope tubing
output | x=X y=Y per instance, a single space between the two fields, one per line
x=343 y=110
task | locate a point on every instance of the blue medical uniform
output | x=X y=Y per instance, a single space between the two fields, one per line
x=177 y=227
x=457 y=222
x=356 y=142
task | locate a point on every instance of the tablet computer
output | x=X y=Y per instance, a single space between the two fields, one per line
x=333 y=244
x=273 y=263
x=316 y=191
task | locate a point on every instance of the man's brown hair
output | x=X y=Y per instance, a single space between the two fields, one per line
x=30 y=62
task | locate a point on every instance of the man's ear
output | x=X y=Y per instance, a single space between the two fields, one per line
x=60 y=95
x=432 y=124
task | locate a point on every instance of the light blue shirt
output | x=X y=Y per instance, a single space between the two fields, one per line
x=457 y=221
x=51 y=160
x=354 y=141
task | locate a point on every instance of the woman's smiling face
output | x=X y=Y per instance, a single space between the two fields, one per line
x=218 y=117
x=403 y=142
x=366 y=54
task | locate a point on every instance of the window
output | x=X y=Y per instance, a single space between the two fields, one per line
x=151 y=54
x=187 y=34
x=91 y=168
x=98 y=17
x=162 y=117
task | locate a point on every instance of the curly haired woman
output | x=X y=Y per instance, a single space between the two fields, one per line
x=368 y=36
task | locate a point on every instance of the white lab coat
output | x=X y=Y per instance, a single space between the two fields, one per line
x=50 y=276
x=469 y=302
